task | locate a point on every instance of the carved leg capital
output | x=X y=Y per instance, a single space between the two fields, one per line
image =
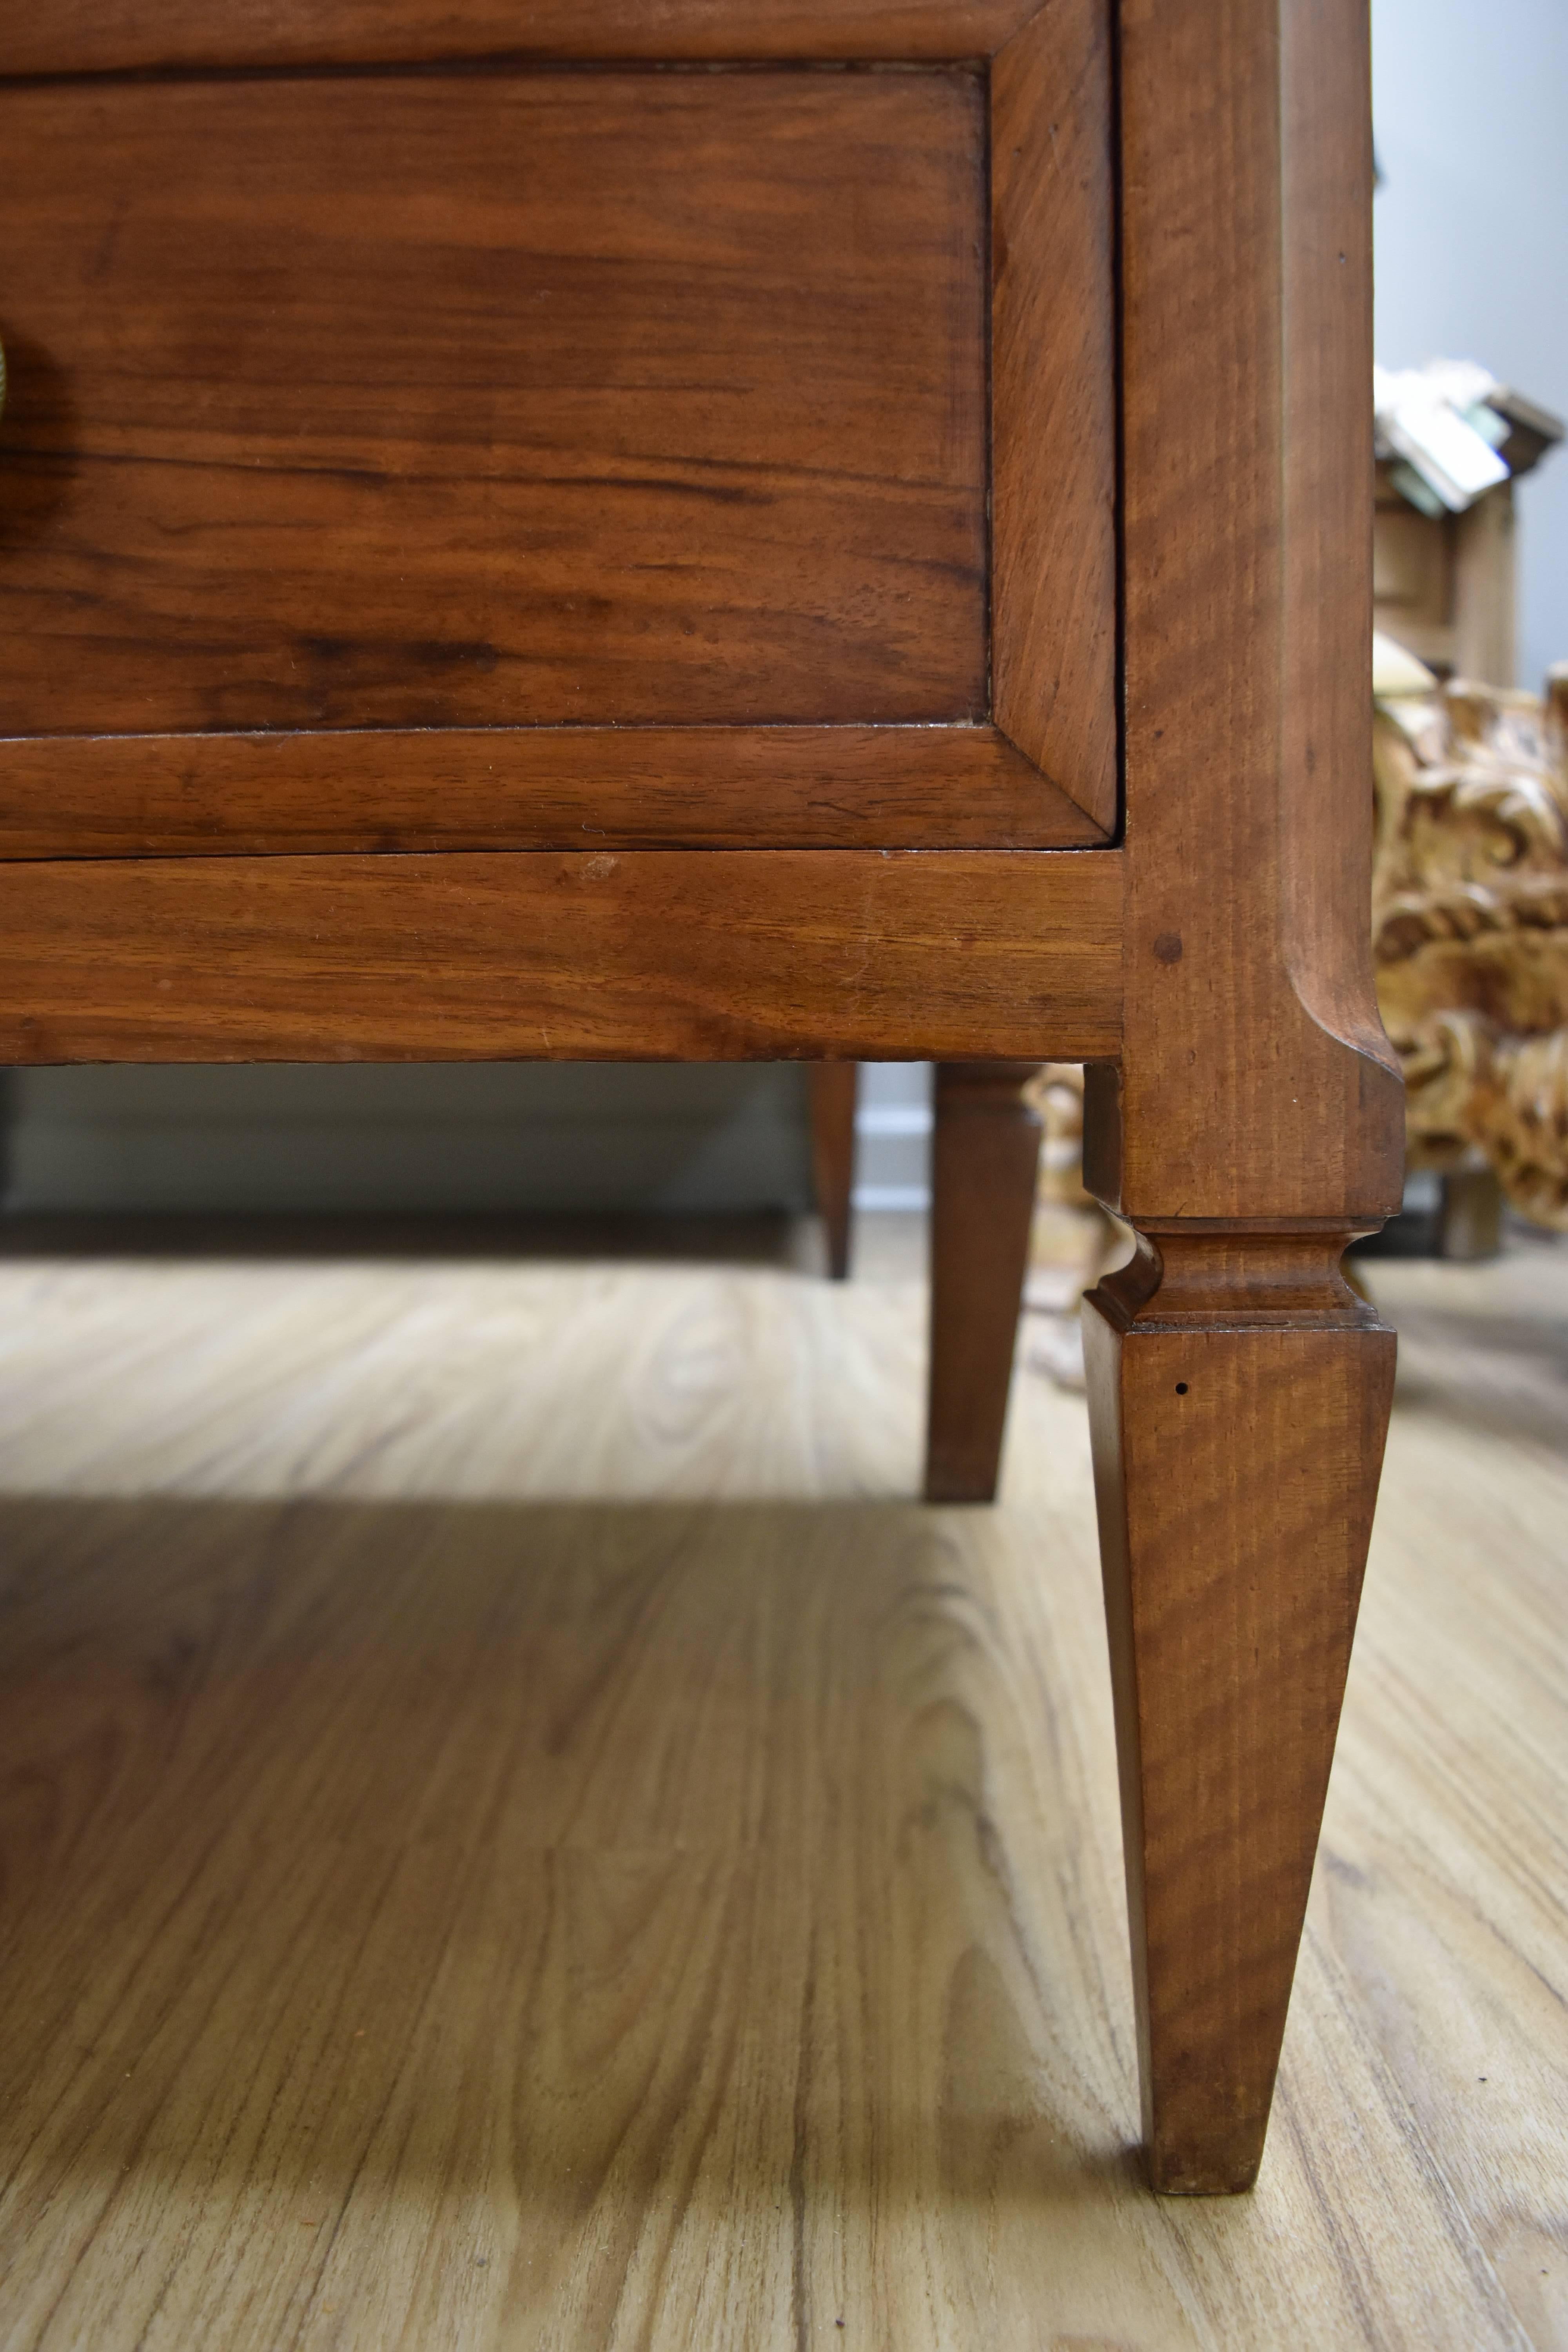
x=1191 y=1274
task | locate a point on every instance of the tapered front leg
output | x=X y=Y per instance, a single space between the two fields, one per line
x=1238 y=1394
x=1253 y=1117
x=986 y=1153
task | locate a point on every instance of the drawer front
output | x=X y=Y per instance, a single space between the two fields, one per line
x=439 y=457
x=430 y=402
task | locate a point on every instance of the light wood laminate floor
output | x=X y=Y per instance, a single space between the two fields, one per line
x=515 y=1833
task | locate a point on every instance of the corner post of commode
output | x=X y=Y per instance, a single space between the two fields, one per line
x=1239 y=1388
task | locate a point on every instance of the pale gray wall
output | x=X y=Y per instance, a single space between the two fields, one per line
x=892 y=1144
x=1470 y=106
x=452 y=1136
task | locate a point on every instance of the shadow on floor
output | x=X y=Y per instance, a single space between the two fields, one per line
x=593 y=1855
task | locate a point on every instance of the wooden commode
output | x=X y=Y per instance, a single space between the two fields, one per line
x=735 y=528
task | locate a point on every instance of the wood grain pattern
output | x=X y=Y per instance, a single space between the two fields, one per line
x=513 y=1831
x=530 y=788
x=1255 y=1081
x=985 y=1159
x=834 y=1092
x=355 y=422
x=1238 y=1412
x=755 y=381
x=1054 y=587
x=707 y=955
x=520 y=397
x=1255 y=1119
x=106 y=36
x=1326 y=179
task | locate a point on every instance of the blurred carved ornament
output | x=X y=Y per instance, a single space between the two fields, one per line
x=1470 y=926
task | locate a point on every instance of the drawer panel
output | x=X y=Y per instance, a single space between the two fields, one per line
x=522 y=398
x=687 y=443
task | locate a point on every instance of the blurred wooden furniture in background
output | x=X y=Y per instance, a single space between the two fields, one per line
x=1444 y=585
x=1451 y=442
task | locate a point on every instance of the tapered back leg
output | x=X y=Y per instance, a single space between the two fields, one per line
x=834 y=1091
x=986 y=1153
